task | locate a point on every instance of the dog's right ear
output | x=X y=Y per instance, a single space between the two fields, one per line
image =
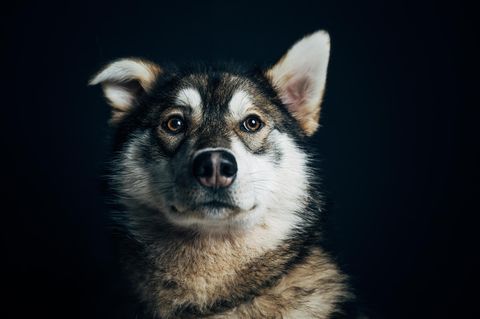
x=124 y=82
x=299 y=79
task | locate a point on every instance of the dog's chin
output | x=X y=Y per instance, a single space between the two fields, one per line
x=211 y=210
x=207 y=215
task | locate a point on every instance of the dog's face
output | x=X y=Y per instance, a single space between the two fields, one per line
x=216 y=149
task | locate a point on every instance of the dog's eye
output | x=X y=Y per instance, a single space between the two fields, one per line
x=174 y=124
x=252 y=124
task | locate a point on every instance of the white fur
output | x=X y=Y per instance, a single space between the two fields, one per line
x=279 y=192
x=270 y=196
x=239 y=104
x=125 y=70
x=190 y=97
x=118 y=96
x=115 y=75
x=300 y=78
x=307 y=59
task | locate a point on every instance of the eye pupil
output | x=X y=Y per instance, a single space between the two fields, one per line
x=252 y=124
x=175 y=124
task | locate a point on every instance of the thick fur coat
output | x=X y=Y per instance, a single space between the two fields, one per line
x=215 y=200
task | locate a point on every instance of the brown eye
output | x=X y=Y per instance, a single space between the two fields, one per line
x=174 y=125
x=252 y=124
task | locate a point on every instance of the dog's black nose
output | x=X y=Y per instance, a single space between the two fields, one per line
x=216 y=169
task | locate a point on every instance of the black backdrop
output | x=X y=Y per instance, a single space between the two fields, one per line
x=394 y=144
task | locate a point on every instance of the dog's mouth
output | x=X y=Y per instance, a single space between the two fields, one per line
x=213 y=208
x=209 y=208
x=215 y=205
x=213 y=214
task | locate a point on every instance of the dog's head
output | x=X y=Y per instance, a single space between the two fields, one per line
x=216 y=148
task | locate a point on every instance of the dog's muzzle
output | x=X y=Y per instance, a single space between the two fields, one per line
x=215 y=169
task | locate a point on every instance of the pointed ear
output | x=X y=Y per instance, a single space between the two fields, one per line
x=123 y=82
x=299 y=78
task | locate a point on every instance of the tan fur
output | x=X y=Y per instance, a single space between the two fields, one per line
x=310 y=290
x=201 y=270
x=308 y=115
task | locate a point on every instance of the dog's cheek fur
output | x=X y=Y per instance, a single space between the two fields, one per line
x=265 y=176
x=142 y=180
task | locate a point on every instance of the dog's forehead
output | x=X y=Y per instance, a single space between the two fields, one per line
x=217 y=92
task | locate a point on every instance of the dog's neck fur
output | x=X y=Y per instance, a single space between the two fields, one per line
x=184 y=273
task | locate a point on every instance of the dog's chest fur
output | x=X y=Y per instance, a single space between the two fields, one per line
x=233 y=277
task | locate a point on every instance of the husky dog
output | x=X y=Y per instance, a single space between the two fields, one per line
x=217 y=209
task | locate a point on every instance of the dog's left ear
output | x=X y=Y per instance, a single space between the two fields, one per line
x=124 y=81
x=299 y=78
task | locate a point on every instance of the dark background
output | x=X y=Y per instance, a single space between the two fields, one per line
x=397 y=142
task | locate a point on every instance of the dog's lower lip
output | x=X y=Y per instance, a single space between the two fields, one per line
x=216 y=204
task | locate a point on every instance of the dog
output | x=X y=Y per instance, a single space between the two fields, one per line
x=214 y=188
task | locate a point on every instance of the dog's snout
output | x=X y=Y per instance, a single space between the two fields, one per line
x=215 y=169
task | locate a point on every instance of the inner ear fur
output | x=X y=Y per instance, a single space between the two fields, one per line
x=124 y=81
x=299 y=78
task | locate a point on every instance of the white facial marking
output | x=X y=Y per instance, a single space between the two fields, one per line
x=269 y=195
x=190 y=97
x=239 y=104
x=277 y=192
